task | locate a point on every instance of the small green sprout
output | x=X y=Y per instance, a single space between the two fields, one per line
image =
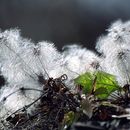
x=99 y=83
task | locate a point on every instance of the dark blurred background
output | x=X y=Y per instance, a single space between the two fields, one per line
x=62 y=21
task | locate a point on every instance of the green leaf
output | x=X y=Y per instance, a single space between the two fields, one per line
x=86 y=81
x=104 y=83
x=101 y=92
x=68 y=118
x=107 y=81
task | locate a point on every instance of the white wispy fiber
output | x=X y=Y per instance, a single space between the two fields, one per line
x=115 y=48
x=78 y=60
x=14 y=98
x=22 y=62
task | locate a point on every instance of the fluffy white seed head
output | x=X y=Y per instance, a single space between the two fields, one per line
x=118 y=37
x=115 y=48
x=17 y=97
x=78 y=60
x=21 y=62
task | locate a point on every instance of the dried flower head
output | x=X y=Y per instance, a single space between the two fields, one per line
x=115 y=49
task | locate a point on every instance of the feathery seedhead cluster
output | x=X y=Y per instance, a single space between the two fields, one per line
x=115 y=48
x=26 y=65
x=22 y=63
x=80 y=60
